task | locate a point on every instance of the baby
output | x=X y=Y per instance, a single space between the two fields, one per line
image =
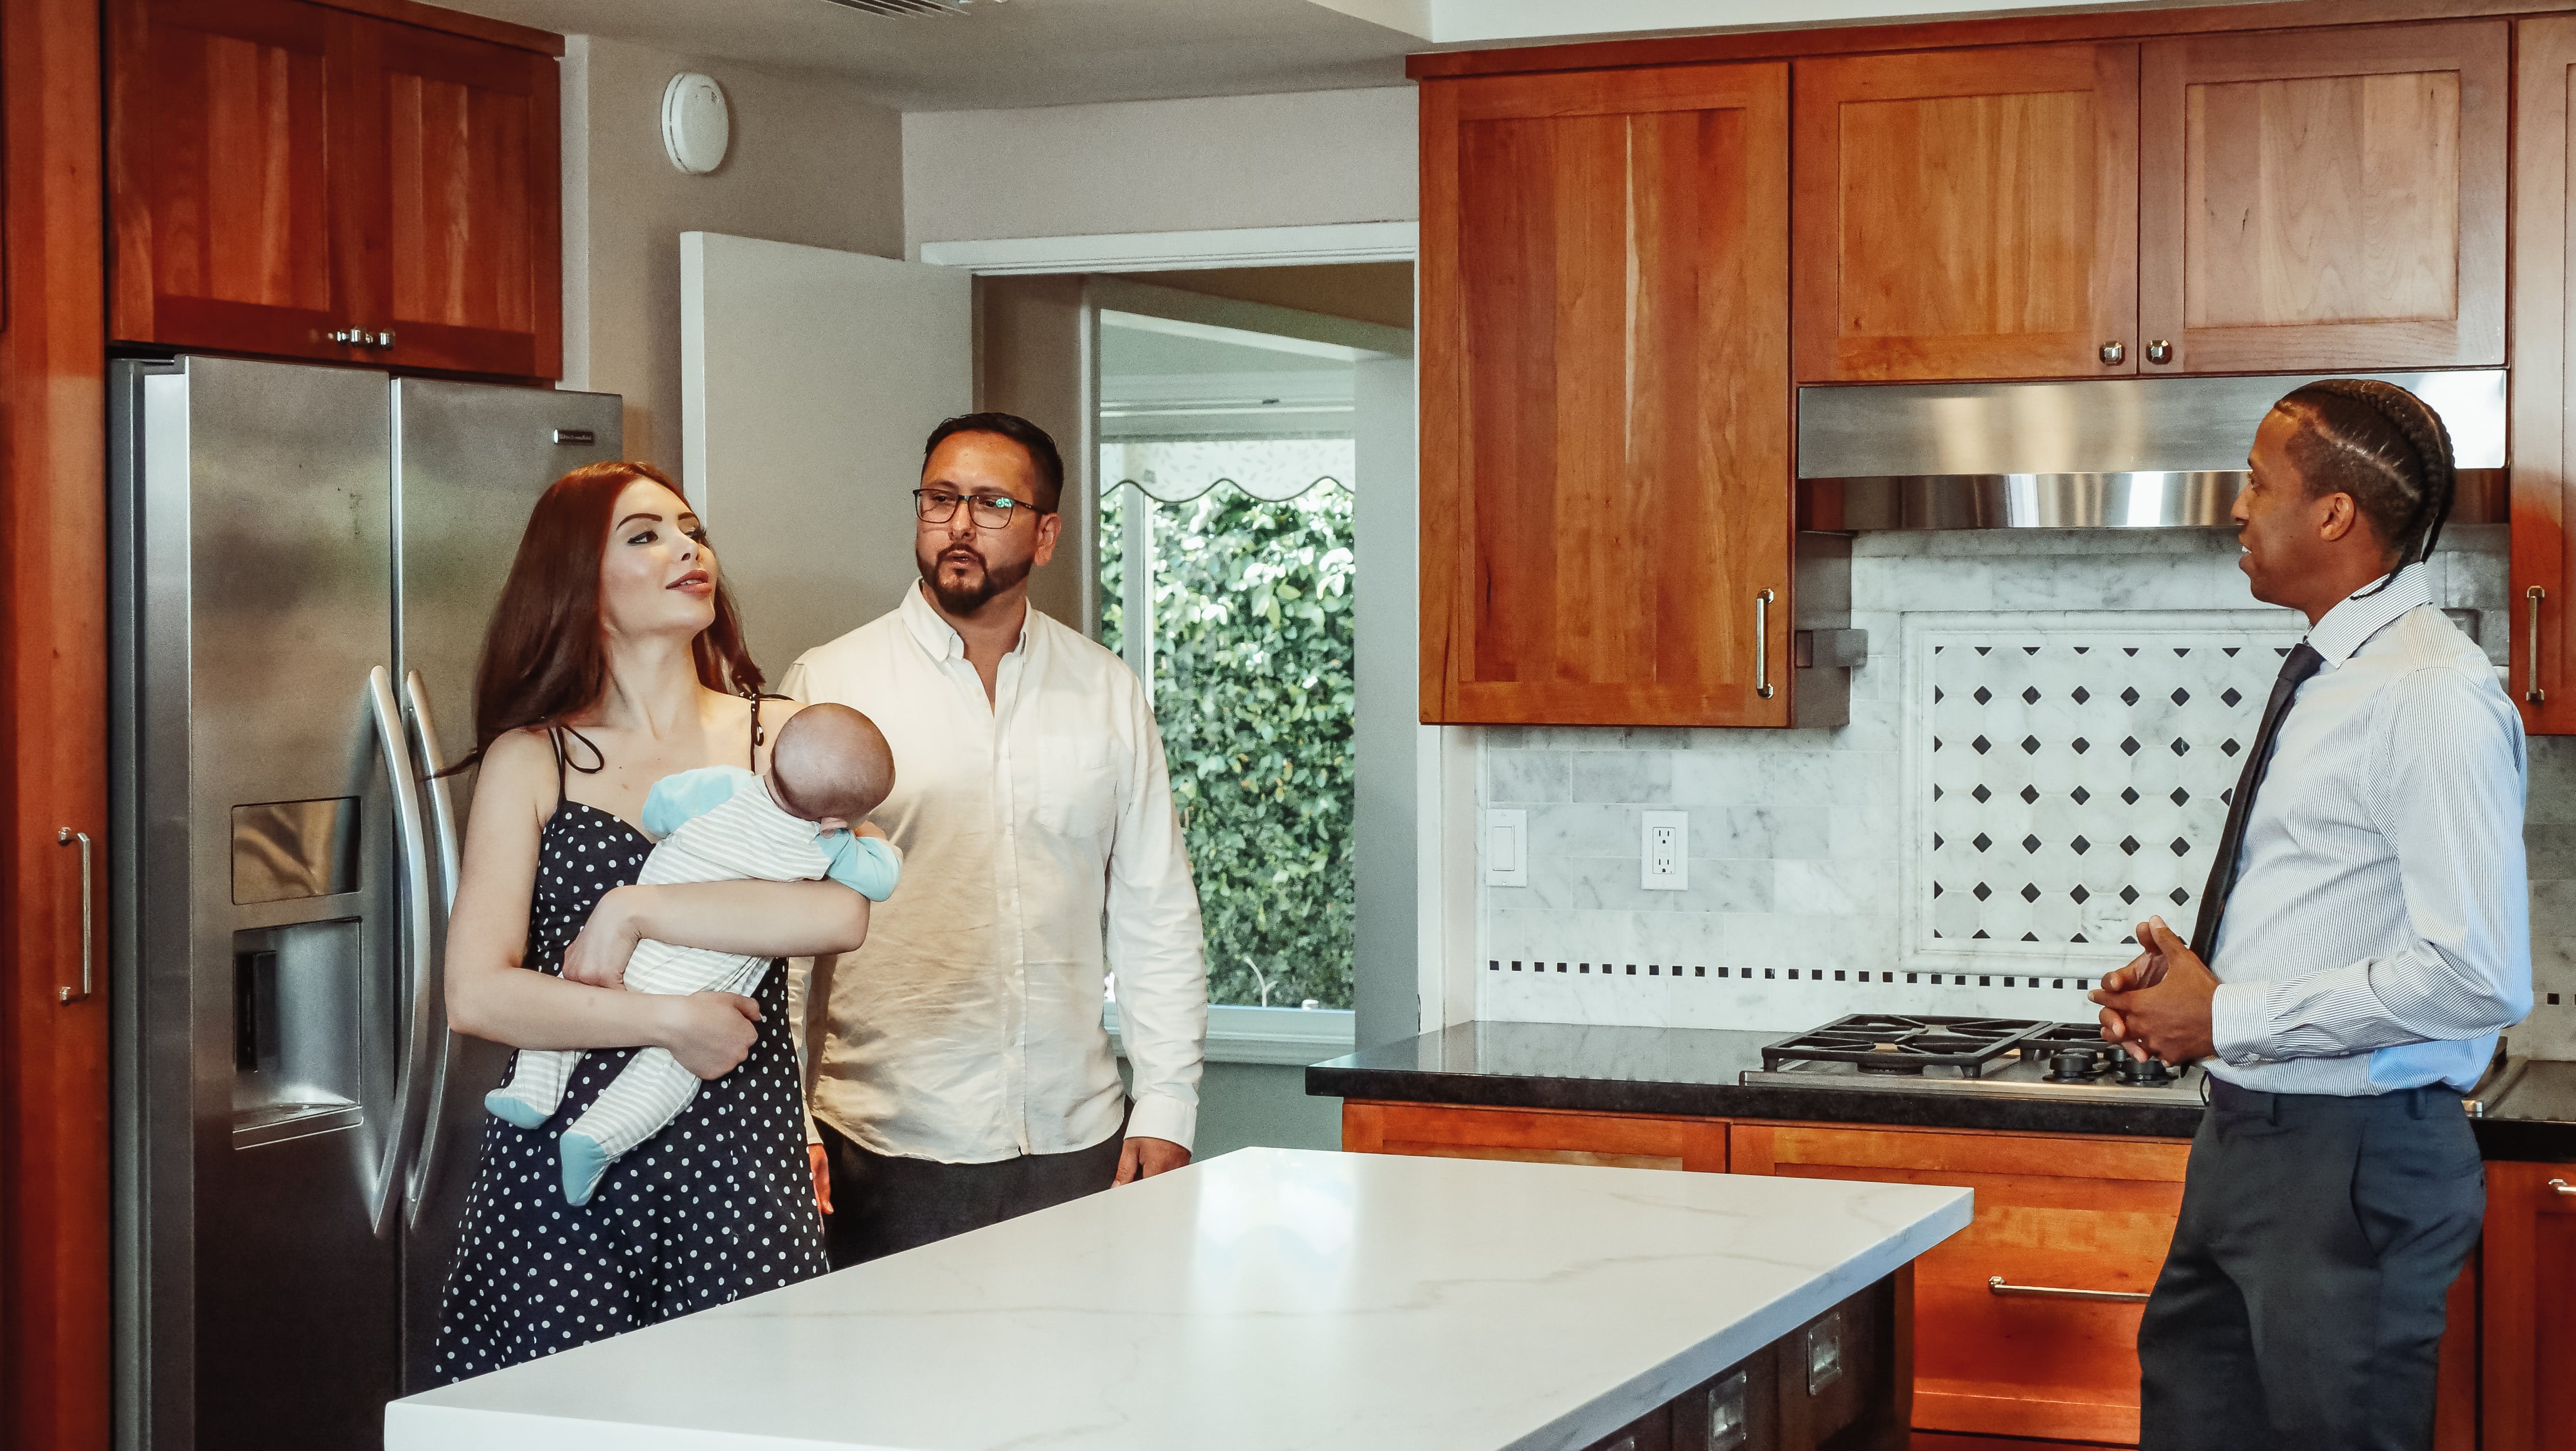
x=829 y=768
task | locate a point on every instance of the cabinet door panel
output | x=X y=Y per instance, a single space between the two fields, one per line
x=1606 y=402
x=1967 y=214
x=449 y=223
x=1537 y=1135
x=218 y=191
x=2529 y=1400
x=2544 y=388
x=2324 y=200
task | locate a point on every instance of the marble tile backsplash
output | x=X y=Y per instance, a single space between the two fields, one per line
x=1811 y=851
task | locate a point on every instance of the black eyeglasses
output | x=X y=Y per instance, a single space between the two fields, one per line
x=989 y=511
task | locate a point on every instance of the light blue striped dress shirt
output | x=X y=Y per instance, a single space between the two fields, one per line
x=2380 y=932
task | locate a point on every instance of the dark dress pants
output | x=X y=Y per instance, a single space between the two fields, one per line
x=883 y=1204
x=2301 y=1304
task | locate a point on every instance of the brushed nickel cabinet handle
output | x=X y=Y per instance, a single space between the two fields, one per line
x=1762 y=644
x=1995 y=1285
x=2561 y=1186
x=89 y=938
x=2159 y=351
x=2114 y=352
x=2532 y=691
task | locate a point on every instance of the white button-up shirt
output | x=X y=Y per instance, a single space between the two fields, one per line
x=1037 y=830
x=2380 y=930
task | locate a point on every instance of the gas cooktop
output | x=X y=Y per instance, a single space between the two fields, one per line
x=2007 y=1057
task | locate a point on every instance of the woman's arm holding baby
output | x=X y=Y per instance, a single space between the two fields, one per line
x=491 y=994
x=753 y=919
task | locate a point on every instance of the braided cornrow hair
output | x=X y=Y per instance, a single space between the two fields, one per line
x=2386 y=448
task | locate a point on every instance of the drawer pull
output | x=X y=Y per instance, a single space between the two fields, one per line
x=1996 y=1285
x=2561 y=1186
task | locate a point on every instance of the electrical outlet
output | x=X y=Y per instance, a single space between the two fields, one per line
x=1507 y=848
x=1665 y=864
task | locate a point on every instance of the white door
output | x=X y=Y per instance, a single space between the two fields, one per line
x=809 y=379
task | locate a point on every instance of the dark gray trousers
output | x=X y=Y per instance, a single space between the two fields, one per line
x=883 y=1205
x=2301 y=1303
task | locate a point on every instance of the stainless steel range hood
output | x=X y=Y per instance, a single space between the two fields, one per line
x=2154 y=453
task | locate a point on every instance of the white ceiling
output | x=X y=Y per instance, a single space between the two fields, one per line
x=1013 y=53
x=1010 y=54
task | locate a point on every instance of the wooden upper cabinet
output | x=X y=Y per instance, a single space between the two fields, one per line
x=2539 y=443
x=458 y=248
x=216 y=168
x=1968 y=214
x=282 y=171
x=1605 y=407
x=2324 y=200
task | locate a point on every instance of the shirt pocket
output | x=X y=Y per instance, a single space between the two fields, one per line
x=1077 y=785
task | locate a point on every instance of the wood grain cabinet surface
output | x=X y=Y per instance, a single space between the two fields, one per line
x=2528 y=1289
x=2324 y=200
x=2053 y=1212
x=281 y=172
x=1968 y=214
x=2541 y=447
x=1605 y=398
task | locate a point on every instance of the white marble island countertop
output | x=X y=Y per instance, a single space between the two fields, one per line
x=1269 y=1298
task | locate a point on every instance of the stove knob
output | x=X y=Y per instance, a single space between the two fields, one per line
x=2071 y=1064
x=2145 y=1073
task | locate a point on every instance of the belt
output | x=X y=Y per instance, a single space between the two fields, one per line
x=2416 y=1102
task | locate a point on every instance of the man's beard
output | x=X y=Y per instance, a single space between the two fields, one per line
x=965 y=599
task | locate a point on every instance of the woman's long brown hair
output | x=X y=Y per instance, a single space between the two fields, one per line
x=545 y=654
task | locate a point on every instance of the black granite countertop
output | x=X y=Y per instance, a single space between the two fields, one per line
x=1695 y=1071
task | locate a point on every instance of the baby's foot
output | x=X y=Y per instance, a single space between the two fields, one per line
x=514 y=1110
x=585 y=1162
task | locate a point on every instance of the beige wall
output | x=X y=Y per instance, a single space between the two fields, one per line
x=1160 y=166
x=809 y=163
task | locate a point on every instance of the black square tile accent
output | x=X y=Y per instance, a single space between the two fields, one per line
x=1493 y=965
x=2129 y=844
x=2030 y=745
x=1516 y=965
x=2129 y=747
x=2030 y=891
x=2181 y=747
x=2181 y=847
x=2080 y=894
x=2029 y=794
x=1981 y=891
x=1936 y=793
x=2082 y=795
x=2180 y=896
x=2129 y=794
x=1982 y=745
x=2181 y=696
x=2181 y=797
x=2229 y=746
x=2081 y=846
x=2030 y=695
x=1983 y=695
x=2130 y=695
x=1982 y=841
x=1838 y=974
x=2081 y=745
x=2081 y=695
x=2129 y=895
x=2030 y=843
x=1936 y=890
x=1981 y=793
x=2228 y=696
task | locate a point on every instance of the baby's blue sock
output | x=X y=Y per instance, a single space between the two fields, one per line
x=585 y=1162
x=513 y=1110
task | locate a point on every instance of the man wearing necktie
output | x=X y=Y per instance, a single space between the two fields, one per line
x=2364 y=935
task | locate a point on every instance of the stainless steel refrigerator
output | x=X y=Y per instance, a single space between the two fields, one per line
x=304 y=559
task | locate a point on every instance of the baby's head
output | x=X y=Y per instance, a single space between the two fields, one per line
x=830 y=765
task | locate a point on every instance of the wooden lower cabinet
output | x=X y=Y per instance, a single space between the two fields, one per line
x=2528 y=1288
x=2060 y=1211
x=1535 y=1135
x=2052 y=1213
x=1836 y=1383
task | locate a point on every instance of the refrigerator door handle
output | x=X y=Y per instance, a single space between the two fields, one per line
x=381 y=1202
x=442 y=811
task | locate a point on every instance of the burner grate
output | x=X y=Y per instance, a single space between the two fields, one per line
x=1896 y=1043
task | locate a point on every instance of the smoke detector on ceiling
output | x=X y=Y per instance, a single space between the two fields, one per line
x=910 y=7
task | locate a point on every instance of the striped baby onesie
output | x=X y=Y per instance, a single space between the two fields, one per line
x=716 y=824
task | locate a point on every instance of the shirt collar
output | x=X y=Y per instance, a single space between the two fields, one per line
x=2349 y=625
x=936 y=635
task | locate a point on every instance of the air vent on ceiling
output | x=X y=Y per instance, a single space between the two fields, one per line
x=907 y=7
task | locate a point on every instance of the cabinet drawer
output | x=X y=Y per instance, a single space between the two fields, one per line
x=1546 y=1136
x=2052 y=1213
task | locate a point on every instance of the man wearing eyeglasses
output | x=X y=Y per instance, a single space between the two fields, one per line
x=959 y=1071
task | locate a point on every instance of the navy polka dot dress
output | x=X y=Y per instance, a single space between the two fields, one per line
x=717 y=1206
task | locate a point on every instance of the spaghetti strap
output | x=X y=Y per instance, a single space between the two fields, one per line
x=554 y=738
x=754 y=752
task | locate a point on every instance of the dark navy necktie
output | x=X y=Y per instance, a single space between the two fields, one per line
x=2302 y=663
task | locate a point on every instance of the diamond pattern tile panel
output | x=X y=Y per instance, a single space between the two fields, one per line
x=2076 y=781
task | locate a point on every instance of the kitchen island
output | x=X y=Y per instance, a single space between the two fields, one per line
x=1288 y=1299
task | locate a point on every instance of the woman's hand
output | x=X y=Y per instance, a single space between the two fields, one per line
x=710 y=1033
x=820 y=1162
x=599 y=955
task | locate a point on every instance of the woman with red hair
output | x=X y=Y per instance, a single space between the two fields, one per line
x=615 y=658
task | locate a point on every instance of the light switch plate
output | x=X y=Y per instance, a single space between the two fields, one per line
x=1664 y=851
x=1507 y=848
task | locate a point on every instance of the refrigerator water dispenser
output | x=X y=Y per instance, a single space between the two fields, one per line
x=298 y=991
